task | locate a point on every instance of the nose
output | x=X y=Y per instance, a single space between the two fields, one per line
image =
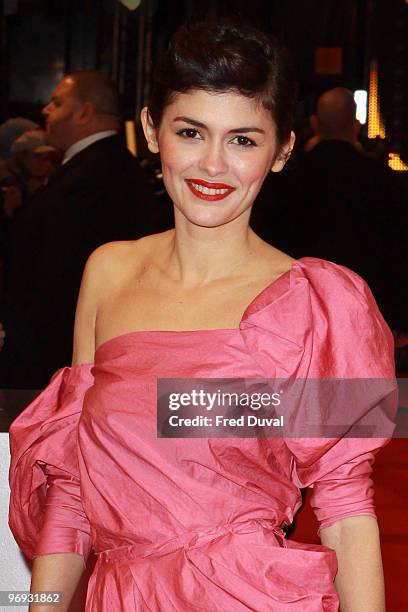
x=45 y=110
x=214 y=159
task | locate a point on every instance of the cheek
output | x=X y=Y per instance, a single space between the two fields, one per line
x=171 y=168
x=60 y=115
x=253 y=171
x=54 y=118
x=174 y=159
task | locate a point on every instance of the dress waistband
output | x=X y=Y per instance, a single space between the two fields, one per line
x=190 y=539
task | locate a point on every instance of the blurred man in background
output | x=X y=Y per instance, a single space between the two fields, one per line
x=340 y=205
x=99 y=194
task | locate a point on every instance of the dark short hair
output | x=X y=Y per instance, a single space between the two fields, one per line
x=96 y=87
x=227 y=56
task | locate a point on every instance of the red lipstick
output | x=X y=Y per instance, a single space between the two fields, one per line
x=209 y=191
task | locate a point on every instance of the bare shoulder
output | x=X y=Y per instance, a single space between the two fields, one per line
x=110 y=264
x=117 y=253
x=107 y=270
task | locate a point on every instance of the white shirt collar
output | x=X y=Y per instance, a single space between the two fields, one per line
x=84 y=143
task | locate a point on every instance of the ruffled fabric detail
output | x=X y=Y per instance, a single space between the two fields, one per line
x=46 y=514
x=332 y=329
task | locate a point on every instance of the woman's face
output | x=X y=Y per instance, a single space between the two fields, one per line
x=216 y=150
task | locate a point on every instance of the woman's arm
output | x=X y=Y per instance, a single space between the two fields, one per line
x=59 y=572
x=86 y=311
x=62 y=571
x=359 y=580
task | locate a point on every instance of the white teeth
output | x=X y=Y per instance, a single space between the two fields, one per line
x=208 y=191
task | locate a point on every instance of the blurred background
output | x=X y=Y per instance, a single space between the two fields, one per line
x=358 y=44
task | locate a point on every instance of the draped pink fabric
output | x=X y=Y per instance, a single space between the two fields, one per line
x=196 y=524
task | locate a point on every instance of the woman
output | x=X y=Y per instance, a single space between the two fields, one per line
x=197 y=524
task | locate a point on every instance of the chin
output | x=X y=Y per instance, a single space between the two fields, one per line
x=211 y=220
x=211 y=214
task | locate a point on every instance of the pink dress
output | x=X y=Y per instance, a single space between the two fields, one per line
x=196 y=524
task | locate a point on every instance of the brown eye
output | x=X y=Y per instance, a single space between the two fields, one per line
x=244 y=141
x=188 y=133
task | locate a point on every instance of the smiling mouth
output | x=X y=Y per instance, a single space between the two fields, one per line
x=209 y=191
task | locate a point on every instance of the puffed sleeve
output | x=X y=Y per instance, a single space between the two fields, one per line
x=46 y=514
x=358 y=348
x=330 y=321
x=339 y=476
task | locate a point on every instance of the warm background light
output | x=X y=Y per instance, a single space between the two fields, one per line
x=375 y=124
x=396 y=163
x=131 y=137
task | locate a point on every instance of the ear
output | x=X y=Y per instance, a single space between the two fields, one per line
x=314 y=124
x=284 y=154
x=85 y=113
x=149 y=130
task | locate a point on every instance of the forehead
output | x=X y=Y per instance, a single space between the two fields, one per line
x=226 y=109
x=64 y=89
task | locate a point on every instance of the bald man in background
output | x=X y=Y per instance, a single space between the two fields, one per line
x=335 y=119
x=99 y=194
x=339 y=205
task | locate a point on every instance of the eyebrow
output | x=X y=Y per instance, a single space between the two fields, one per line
x=240 y=130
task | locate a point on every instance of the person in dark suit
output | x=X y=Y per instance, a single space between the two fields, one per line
x=98 y=195
x=340 y=205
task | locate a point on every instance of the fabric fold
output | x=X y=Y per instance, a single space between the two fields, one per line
x=44 y=474
x=339 y=333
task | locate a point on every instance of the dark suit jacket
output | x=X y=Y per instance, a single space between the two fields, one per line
x=100 y=195
x=342 y=206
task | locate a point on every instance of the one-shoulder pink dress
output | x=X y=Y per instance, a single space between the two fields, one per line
x=196 y=524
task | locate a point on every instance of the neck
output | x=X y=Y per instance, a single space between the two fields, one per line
x=199 y=255
x=350 y=138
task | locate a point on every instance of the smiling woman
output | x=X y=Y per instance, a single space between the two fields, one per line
x=185 y=524
x=215 y=148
